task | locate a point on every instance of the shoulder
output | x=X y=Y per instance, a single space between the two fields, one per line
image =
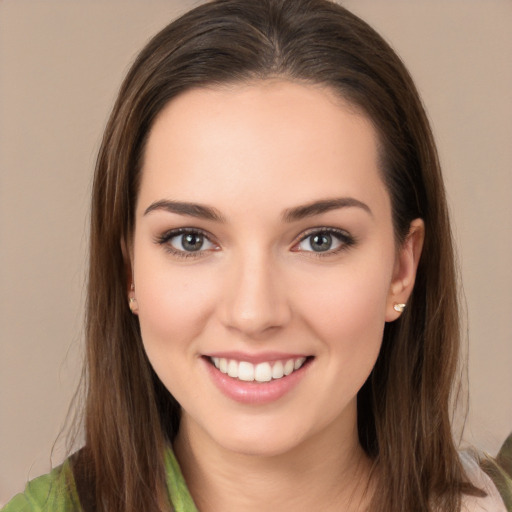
x=490 y=503
x=54 y=492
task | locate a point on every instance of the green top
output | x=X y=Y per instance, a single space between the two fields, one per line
x=56 y=491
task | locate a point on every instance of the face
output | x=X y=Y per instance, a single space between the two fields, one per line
x=264 y=262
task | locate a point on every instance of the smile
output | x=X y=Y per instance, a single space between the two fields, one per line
x=256 y=379
x=261 y=372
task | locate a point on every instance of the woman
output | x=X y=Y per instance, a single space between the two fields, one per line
x=272 y=312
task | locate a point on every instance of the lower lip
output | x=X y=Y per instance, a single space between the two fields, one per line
x=255 y=392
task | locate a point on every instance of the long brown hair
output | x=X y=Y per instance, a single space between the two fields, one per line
x=403 y=408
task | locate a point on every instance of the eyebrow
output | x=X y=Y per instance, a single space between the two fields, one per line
x=289 y=215
x=191 y=209
x=323 y=206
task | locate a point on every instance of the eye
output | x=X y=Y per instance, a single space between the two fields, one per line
x=186 y=242
x=325 y=240
x=190 y=242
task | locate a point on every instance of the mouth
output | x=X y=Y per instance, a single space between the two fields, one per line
x=256 y=379
x=265 y=371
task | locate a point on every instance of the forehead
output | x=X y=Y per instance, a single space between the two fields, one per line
x=275 y=140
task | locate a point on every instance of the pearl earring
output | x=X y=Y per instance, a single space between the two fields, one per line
x=399 y=307
x=132 y=302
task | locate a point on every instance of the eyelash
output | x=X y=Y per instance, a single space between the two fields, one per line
x=166 y=237
x=346 y=241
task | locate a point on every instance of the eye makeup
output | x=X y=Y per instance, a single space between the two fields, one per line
x=195 y=243
x=186 y=242
x=324 y=241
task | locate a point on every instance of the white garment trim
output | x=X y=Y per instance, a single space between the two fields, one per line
x=492 y=502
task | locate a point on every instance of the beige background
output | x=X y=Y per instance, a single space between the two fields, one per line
x=60 y=65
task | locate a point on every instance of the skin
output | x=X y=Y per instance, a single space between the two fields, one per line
x=253 y=152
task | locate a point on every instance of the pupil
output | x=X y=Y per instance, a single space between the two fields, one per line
x=192 y=242
x=321 y=242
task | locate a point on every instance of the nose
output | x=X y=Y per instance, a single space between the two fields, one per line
x=255 y=300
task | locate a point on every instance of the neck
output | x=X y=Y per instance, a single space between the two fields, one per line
x=312 y=476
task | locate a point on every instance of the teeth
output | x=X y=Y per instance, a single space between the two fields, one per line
x=298 y=363
x=245 y=371
x=233 y=369
x=262 y=372
x=288 y=367
x=277 y=370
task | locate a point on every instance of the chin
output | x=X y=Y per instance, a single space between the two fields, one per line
x=262 y=437
x=261 y=446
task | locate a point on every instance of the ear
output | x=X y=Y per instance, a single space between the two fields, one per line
x=128 y=258
x=404 y=272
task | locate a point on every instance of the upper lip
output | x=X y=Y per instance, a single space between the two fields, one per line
x=256 y=358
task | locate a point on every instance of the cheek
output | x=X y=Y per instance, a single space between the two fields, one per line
x=174 y=304
x=346 y=308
